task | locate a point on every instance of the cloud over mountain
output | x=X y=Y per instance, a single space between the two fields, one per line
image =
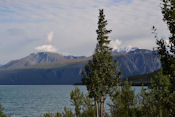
x=46 y=48
x=116 y=44
x=72 y=24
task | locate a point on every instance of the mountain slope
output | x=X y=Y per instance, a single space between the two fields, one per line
x=48 y=69
x=68 y=74
x=138 y=63
x=38 y=59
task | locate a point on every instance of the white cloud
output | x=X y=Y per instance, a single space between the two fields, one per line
x=74 y=24
x=46 y=48
x=129 y=47
x=116 y=44
x=167 y=42
x=50 y=37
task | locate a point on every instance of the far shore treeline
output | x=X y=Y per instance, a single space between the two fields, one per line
x=137 y=80
x=102 y=78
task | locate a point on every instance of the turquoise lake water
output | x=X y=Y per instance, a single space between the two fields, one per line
x=35 y=100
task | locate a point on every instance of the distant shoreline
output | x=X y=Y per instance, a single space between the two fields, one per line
x=133 y=84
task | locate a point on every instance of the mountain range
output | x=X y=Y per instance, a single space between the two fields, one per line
x=53 y=68
x=41 y=58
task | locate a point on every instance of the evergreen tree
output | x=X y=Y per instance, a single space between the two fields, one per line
x=77 y=101
x=101 y=74
x=1 y=112
x=159 y=93
x=155 y=101
x=146 y=108
x=123 y=101
x=82 y=103
x=167 y=51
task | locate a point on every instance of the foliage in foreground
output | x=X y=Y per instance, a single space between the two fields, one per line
x=125 y=103
x=166 y=52
x=150 y=102
x=83 y=106
x=1 y=112
x=66 y=113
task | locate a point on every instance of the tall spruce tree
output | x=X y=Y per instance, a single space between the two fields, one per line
x=101 y=73
x=167 y=51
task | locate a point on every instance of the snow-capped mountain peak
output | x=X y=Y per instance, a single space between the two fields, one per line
x=125 y=49
x=131 y=50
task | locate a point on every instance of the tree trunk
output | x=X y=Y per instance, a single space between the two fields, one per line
x=102 y=107
x=159 y=111
x=96 y=103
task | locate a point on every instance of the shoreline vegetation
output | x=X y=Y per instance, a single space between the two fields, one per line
x=138 y=80
x=132 y=84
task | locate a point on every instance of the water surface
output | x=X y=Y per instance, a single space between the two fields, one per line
x=35 y=100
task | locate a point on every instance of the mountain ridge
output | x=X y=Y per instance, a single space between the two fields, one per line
x=44 y=58
x=39 y=58
x=67 y=70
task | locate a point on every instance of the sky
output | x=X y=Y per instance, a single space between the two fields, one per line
x=69 y=27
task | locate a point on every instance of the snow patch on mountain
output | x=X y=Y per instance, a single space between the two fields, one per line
x=125 y=50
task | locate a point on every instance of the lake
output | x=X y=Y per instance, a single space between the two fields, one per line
x=35 y=100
